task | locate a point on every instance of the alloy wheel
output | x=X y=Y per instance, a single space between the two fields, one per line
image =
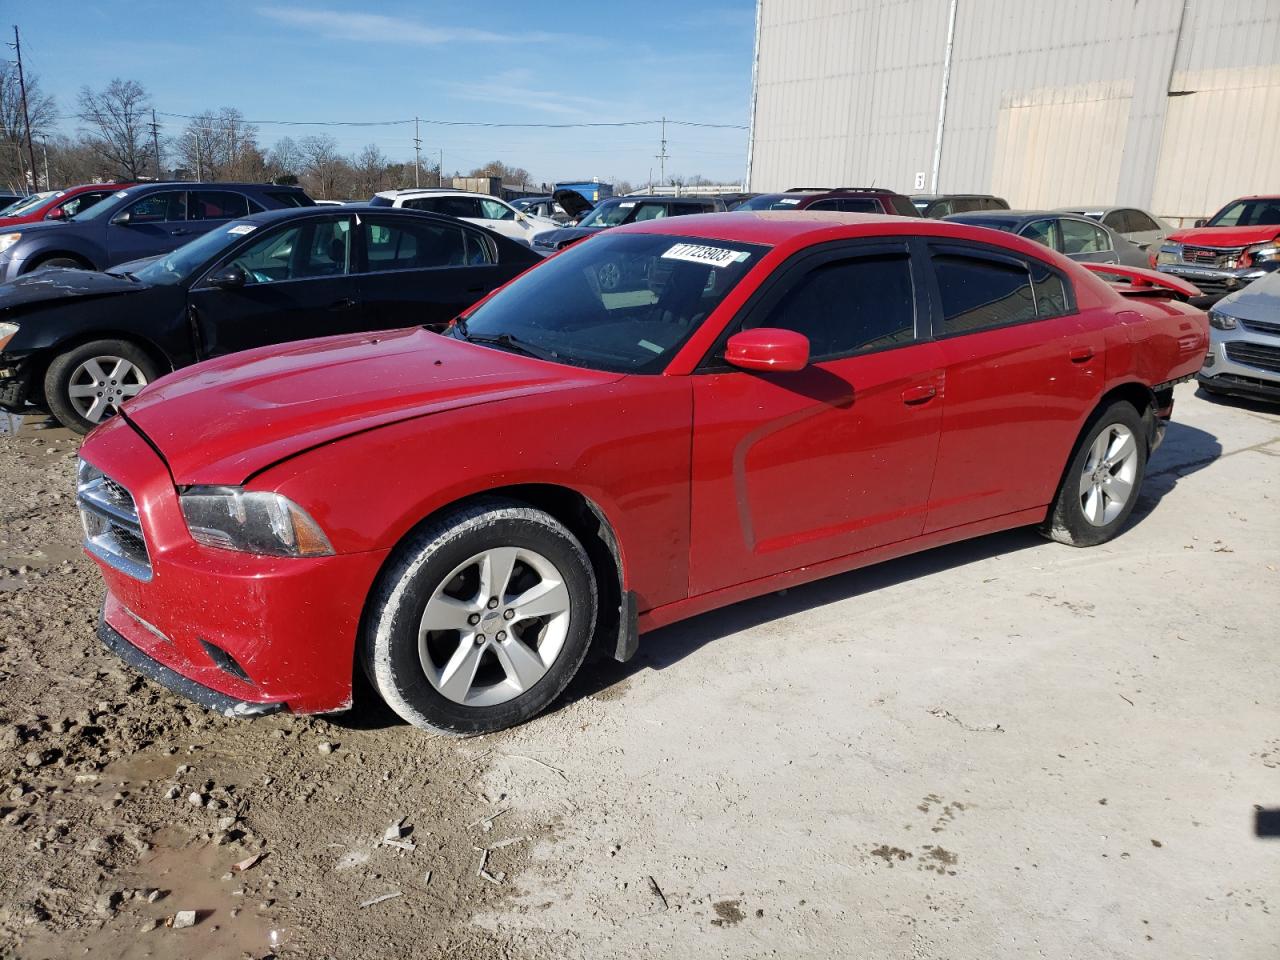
x=1106 y=482
x=100 y=385
x=494 y=627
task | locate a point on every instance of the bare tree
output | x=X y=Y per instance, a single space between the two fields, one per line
x=118 y=117
x=496 y=168
x=322 y=166
x=13 y=131
x=220 y=145
x=372 y=171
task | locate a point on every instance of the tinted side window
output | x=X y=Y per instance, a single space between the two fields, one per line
x=290 y=198
x=1139 y=221
x=848 y=205
x=1050 y=291
x=312 y=249
x=216 y=205
x=1041 y=231
x=411 y=245
x=159 y=207
x=83 y=201
x=965 y=205
x=1117 y=220
x=978 y=293
x=850 y=306
x=493 y=210
x=1081 y=237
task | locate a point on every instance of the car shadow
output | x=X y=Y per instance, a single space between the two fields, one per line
x=1185 y=450
x=1271 y=407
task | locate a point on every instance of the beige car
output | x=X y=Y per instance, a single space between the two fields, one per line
x=1136 y=226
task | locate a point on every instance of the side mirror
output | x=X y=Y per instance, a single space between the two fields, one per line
x=57 y=213
x=228 y=278
x=1202 y=222
x=768 y=348
x=122 y=219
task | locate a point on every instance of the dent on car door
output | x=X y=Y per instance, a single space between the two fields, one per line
x=425 y=272
x=1020 y=371
x=297 y=284
x=801 y=467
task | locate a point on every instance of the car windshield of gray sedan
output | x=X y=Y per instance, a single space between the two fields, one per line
x=624 y=211
x=624 y=303
x=177 y=266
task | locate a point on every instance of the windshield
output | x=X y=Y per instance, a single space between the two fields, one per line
x=181 y=263
x=611 y=213
x=774 y=201
x=105 y=206
x=1263 y=212
x=619 y=302
x=27 y=205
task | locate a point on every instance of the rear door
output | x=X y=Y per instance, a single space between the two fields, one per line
x=423 y=271
x=1020 y=373
x=156 y=223
x=299 y=284
x=1085 y=240
x=207 y=209
x=797 y=468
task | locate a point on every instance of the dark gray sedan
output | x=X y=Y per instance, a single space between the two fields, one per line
x=1079 y=238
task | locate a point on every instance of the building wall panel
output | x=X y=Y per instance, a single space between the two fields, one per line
x=847 y=93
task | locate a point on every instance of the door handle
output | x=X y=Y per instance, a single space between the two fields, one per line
x=346 y=303
x=1081 y=354
x=921 y=393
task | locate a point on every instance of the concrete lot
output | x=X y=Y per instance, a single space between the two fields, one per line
x=1003 y=748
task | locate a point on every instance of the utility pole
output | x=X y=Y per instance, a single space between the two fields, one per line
x=417 y=153
x=47 y=181
x=26 y=116
x=195 y=134
x=155 y=143
x=662 y=155
x=440 y=171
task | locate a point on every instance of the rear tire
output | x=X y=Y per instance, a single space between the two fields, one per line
x=86 y=384
x=444 y=655
x=1101 y=484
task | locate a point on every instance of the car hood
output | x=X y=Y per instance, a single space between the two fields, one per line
x=562 y=234
x=1259 y=301
x=57 y=283
x=1225 y=236
x=222 y=421
x=573 y=203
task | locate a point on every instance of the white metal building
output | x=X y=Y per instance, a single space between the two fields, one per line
x=1169 y=105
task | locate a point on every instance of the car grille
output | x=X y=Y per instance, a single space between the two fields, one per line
x=1258 y=355
x=1211 y=256
x=112 y=531
x=1261 y=326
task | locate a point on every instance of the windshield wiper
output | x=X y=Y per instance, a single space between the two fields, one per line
x=507 y=342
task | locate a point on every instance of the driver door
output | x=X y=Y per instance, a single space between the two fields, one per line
x=156 y=223
x=298 y=284
x=792 y=469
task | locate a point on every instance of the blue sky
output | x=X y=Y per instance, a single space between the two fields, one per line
x=494 y=61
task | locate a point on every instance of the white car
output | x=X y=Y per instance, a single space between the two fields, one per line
x=1136 y=226
x=477 y=208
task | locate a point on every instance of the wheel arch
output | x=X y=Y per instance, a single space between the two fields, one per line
x=46 y=356
x=1134 y=392
x=41 y=259
x=616 y=618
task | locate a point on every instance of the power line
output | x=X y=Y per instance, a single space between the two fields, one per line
x=466 y=123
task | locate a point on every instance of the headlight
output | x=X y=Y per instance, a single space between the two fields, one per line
x=253 y=522
x=1260 y=253
x=7 y=330
x=1221 y=321
x=1169 y=255
x=7 y=240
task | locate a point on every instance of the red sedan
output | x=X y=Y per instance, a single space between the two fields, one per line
x=58 y=204
x=668 y=418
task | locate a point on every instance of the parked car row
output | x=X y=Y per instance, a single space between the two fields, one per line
x=79 y=343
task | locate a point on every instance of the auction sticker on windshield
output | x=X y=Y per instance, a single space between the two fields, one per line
x=710 y=256
x=240 y=229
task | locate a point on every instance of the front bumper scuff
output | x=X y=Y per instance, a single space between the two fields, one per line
x=149 y=667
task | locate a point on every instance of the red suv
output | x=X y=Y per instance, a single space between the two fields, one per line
x=59 y=204
x=845 y=199
x=1237 y=245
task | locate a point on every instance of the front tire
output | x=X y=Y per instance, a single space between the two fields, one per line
x=481 y=619
x=1101 y=483
x=87 y=384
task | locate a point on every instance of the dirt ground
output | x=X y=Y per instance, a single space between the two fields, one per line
x=1001 y=748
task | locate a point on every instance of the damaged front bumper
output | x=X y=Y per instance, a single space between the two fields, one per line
x=17 y=373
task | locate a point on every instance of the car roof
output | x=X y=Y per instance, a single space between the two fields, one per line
x=435 y=192
x=329 y=210
x=773 y=226
x=1015 y=215
x=954 y=196
x=631 y=197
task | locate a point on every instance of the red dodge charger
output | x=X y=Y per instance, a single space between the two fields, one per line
x=668 y=418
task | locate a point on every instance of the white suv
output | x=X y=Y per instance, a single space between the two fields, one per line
x=477 y=208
